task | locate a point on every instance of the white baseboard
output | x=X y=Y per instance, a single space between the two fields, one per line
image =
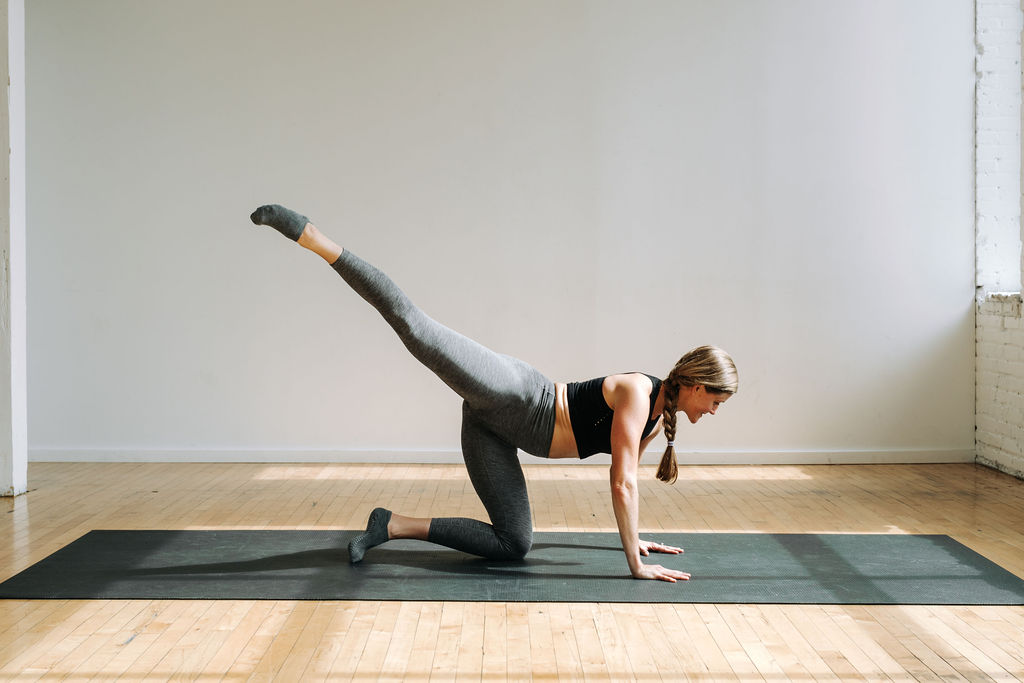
x=794 y=457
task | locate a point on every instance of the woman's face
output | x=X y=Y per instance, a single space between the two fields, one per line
x=698 y=401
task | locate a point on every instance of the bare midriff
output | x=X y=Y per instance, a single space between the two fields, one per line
x=563 y=442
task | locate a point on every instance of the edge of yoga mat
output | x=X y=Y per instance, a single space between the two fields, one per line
x=563 y=567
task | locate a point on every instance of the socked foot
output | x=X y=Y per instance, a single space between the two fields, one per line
x=375 y=534
x=295 y=226
x=287 y=222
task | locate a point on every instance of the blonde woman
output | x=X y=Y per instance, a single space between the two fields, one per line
x=508 y=405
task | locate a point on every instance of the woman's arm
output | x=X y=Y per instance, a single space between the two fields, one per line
x=649 y=438
x=631 y=403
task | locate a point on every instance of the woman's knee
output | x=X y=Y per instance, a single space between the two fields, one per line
x=516 y=544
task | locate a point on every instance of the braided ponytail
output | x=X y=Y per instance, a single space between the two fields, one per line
x=705 y=366
x=668 y=470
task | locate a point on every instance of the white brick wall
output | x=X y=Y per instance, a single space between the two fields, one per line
x=1000 y=383
x=998 y=145
x=999 y=390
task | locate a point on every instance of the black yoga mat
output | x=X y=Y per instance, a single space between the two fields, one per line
x=562 y=567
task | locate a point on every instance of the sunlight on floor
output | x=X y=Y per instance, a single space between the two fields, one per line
x=534 y=472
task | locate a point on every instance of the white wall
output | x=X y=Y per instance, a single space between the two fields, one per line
x=998 y=150
x=13 y=324
x=1000 y=390
x=1000 y=328
x=591 y=186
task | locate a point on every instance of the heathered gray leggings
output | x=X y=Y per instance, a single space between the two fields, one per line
x=506 y=405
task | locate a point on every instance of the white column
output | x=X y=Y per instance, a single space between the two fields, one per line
x=13 y=382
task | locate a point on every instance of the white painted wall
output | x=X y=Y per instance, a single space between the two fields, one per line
x=998 y=151
x=1000 y=391
x=591 y=186
x=13 y=326
x=1000 y=327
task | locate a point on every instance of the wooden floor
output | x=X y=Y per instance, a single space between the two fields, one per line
x=362 y=641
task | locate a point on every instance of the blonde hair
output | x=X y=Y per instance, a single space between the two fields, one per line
x=706 y=366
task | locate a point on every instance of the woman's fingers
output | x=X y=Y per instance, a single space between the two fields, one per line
x=671 y=575
x=656 y=571
x=647 y=546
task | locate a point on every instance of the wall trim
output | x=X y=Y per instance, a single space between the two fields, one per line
x=843 y=457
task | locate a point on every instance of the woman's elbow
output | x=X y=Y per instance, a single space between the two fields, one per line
x=623 y=488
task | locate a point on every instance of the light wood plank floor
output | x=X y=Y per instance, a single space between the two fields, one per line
x=341 y=641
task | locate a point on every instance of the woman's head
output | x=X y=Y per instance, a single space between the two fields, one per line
x=707 y=366
x=698 y=384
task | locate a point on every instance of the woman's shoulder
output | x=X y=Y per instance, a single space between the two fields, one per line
x=630 y=383
x=632 y=378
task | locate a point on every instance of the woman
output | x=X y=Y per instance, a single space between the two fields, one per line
x=508 y=405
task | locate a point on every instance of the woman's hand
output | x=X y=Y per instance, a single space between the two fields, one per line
x=647 y=547
x=656 y=571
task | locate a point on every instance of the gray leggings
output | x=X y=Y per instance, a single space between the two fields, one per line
x=507 y=405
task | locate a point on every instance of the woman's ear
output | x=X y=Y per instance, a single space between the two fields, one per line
x=686 y=394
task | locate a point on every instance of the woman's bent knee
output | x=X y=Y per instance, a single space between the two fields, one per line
x=516 y=545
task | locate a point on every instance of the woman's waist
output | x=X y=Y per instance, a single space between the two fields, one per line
x=563 y=441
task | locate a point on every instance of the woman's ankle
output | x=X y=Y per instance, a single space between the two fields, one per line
x=319 y=243
x=408 y=527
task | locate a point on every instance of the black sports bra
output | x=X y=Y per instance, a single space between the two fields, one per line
x=591 y=417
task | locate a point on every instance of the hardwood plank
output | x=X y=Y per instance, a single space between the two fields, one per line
x=309 y=635
x=495 y=642
x=400 y=643
x=446 y=657
x=592 y=661
x=339 y=617
x=542 y=655
x=471 y=643
x=613 y=644
x=254 y=650
x=563 y=642
x=354 y=641
x=517 y=658
x=253 y=615
x=732 y=650
x=695 y=646
x=46 y=642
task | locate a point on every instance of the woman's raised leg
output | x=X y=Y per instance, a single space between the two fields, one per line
x=487 y=380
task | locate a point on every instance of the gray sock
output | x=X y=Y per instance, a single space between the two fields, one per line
x=287 y=222
x=376 y=533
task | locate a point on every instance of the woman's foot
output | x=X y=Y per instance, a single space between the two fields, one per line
x=285 y=221
x=295 y=226
x=375 y=534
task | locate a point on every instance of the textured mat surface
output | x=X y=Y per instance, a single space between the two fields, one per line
x=563 y=567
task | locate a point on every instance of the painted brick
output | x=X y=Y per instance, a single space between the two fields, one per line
x=997 y=164
x=988 y=369
x=999 y=370
x=999 y=395
x=986 y=442
x=989 y=350
x=997 y=51
x=987 y=425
